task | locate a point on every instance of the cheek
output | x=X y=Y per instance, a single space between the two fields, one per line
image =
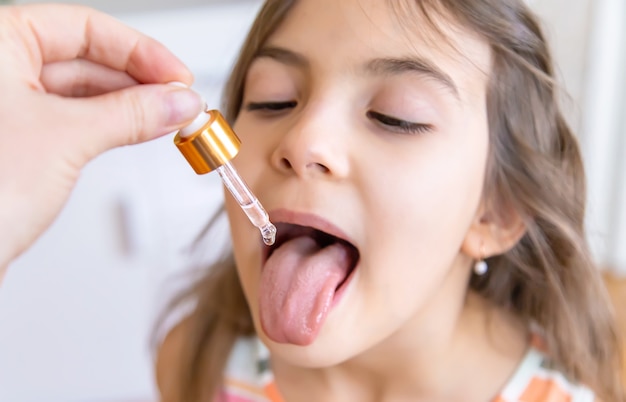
x=421 y=205
x=257 y=143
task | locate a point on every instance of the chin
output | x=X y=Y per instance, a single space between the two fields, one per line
x=322 y=353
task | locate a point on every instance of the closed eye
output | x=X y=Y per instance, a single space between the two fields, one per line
x=270 y=106
x=399 y=125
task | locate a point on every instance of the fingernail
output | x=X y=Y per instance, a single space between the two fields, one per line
x=183 y=106
x=183 y=85
x=178 y=84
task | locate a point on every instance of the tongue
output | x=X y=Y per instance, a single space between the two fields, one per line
x=298 y=284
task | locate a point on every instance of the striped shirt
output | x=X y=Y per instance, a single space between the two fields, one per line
x=248 y=378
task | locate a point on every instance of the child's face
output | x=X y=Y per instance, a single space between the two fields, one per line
x=355 y=124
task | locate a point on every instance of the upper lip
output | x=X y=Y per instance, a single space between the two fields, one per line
x=310 y=220
x=305 y=219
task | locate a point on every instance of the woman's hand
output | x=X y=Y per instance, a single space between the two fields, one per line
x=73 y=84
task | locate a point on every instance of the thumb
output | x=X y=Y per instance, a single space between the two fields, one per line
x=132 y=115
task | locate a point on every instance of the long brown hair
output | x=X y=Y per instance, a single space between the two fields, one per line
x=535 y=169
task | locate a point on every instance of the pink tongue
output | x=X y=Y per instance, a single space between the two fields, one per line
x=298 y=284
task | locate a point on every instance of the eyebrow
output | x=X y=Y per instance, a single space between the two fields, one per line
x=284 y=56
x=378 y=66
x=419 y=65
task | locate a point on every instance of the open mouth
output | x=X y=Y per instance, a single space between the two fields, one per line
x=288 y=231
x=302 y=278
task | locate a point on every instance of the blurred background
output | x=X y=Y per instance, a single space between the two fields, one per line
x=77 y=310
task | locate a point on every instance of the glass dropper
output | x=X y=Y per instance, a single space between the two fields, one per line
x=208 y=144
x=248 y=202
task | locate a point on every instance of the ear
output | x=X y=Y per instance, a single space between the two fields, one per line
x=492 y=232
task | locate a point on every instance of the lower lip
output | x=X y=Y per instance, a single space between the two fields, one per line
x=344 y=286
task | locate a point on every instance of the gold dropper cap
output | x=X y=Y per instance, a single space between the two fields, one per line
x=211 y=145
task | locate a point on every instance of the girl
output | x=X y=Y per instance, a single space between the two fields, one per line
x=429 y=201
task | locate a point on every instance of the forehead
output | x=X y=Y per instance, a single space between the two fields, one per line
x=347 y=34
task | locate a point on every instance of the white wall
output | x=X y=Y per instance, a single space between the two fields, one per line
x=125 y=6
x=604 y=128
x=76 y=311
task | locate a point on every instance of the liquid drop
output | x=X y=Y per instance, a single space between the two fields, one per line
x=269 y=234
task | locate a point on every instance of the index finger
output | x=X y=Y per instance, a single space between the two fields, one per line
x=66 y=32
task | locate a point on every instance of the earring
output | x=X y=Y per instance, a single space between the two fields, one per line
x=481 y=267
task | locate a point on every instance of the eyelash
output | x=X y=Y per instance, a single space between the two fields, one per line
x=393 y=123
x=270 y=106
x=399 y=125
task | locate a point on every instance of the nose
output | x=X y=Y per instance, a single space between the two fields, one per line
x=314 y=145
